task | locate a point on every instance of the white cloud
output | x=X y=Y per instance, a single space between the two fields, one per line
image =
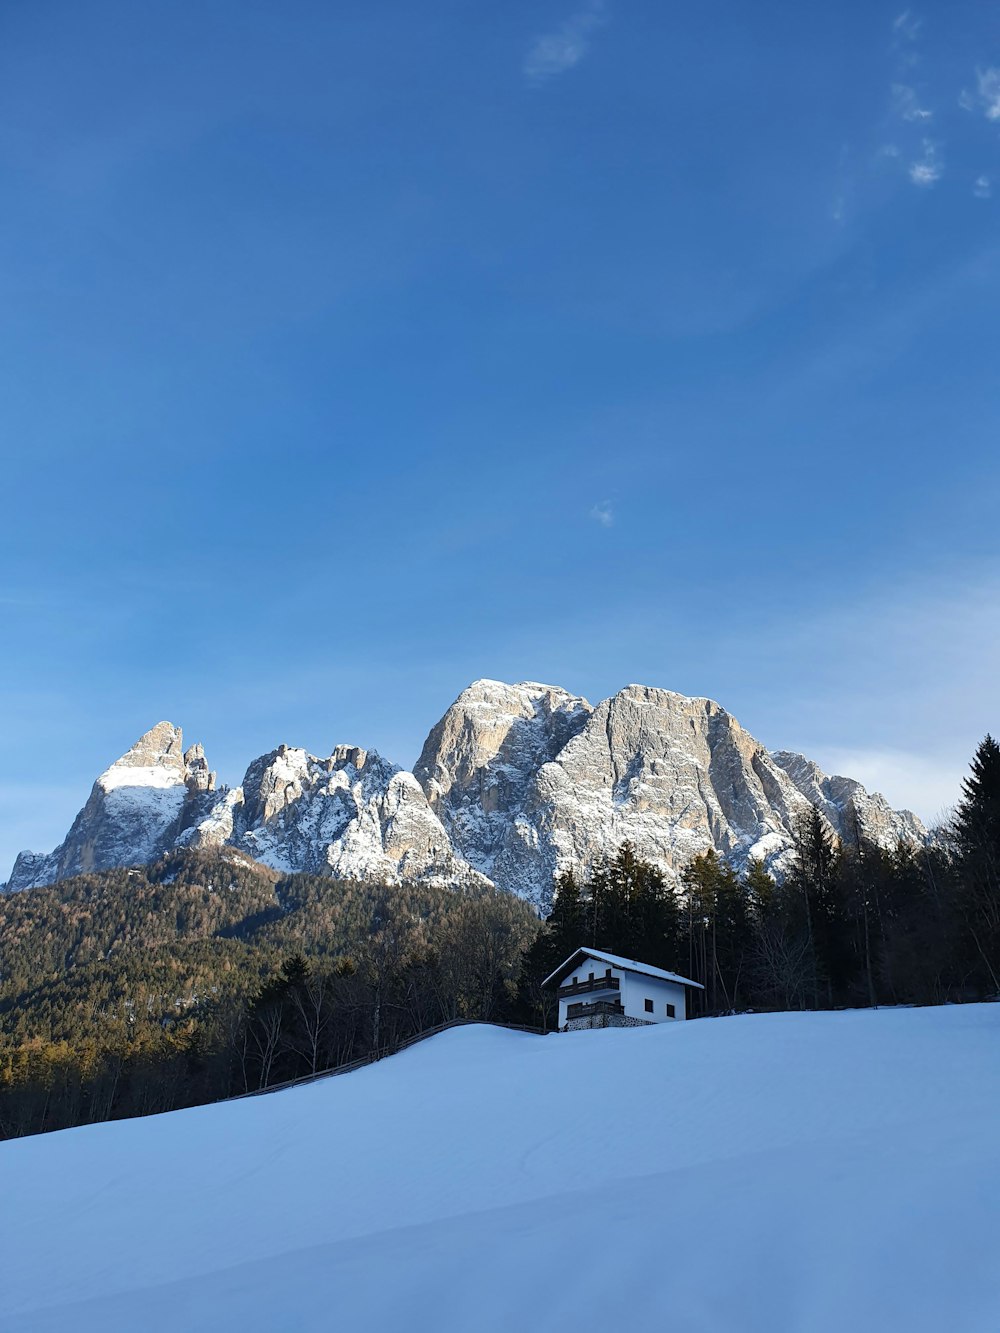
x=907 y=26
x=906 y=104
x=603 y=513
x=903 y=685
x=924 y=173
x=905 y=34
x=982 y=187
x=927 y=784
x=553 y=53
x=988 y=90
x=928 y=169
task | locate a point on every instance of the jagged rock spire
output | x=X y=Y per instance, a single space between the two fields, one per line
x=513 y=785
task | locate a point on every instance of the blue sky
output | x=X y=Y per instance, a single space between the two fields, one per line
x=352 y=352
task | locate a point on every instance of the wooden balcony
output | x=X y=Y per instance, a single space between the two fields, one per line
x=607 y=982
x=595 y=1008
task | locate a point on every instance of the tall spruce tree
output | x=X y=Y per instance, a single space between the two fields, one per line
x=816 y=875
x=718 y=927
x=567 y=922
x=976 y=833
x=629 y=909
x=565 y=929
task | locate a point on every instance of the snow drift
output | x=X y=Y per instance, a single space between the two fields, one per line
x=799 y=1172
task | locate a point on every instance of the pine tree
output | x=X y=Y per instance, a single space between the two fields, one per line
x=976 y=833
x=759 y=886
x=565 y=930
x=815 y=875
x=782 y=960
x=977 y=817
x=567 y=922
x=719 y=933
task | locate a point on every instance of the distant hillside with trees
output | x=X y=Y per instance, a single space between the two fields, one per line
x=206 y=975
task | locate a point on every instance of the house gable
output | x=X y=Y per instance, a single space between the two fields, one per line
x=598 y=989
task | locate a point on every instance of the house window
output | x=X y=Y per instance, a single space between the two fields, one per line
x=649 y=1006
x=671 y=1011
x=591 y=977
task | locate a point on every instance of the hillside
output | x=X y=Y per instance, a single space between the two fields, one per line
x=761 y=1173
x=138 y=990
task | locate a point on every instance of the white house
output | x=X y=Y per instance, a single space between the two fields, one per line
x=601 y=990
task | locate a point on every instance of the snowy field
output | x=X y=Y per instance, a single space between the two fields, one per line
x=799 y=1172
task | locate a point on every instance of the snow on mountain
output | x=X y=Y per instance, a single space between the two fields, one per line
x=478 y=763
x=671 y=774
x=842 y=801
x=768 y=1173
x=353 y=815
x=135 y=811
x=515 y=784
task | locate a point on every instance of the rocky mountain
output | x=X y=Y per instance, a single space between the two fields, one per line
x=136 y=811
x=515 y=784
x=353 y=816
x=478 y=763
x=530 y=781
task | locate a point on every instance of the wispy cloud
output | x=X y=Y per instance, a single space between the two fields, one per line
x=907 y=105
x=906 y=26
x=603 y=513
x=928 y=783
x=988 y=92
x=905 y=37
x=553 y=53
x=908 y=112
x=927 y=169
x=982 y=187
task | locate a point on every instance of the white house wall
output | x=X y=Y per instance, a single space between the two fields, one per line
x=636 y=989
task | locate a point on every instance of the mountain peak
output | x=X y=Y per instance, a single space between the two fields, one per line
x=515 y=783
x=160 y=746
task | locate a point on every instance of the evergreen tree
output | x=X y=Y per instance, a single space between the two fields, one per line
x=719 y=930
x=782 y=961
x=566 y=929
x=975 y=830
x=631 y=911
x=759 y=887
x=567 y=922
x=815 y=876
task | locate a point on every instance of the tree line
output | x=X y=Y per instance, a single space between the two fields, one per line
x=203 y=977
x=196 y=979
x=848 y=924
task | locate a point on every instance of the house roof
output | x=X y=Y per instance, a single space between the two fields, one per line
x=626 y=964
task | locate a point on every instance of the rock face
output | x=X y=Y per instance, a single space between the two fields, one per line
x=135 y=811
x=849 y=809
x=515 y=784
x=353 y=816
x=478 y=763
x=670 y=774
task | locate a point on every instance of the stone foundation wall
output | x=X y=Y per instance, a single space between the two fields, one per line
x=605 y=1021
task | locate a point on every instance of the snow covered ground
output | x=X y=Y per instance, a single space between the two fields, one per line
x=799 y=1172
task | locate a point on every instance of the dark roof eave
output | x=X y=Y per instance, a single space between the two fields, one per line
x=570 y=963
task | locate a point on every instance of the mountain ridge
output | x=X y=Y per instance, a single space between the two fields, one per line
x=514 y=784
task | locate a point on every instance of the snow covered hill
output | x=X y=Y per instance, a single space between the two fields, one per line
x=786 y=1173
